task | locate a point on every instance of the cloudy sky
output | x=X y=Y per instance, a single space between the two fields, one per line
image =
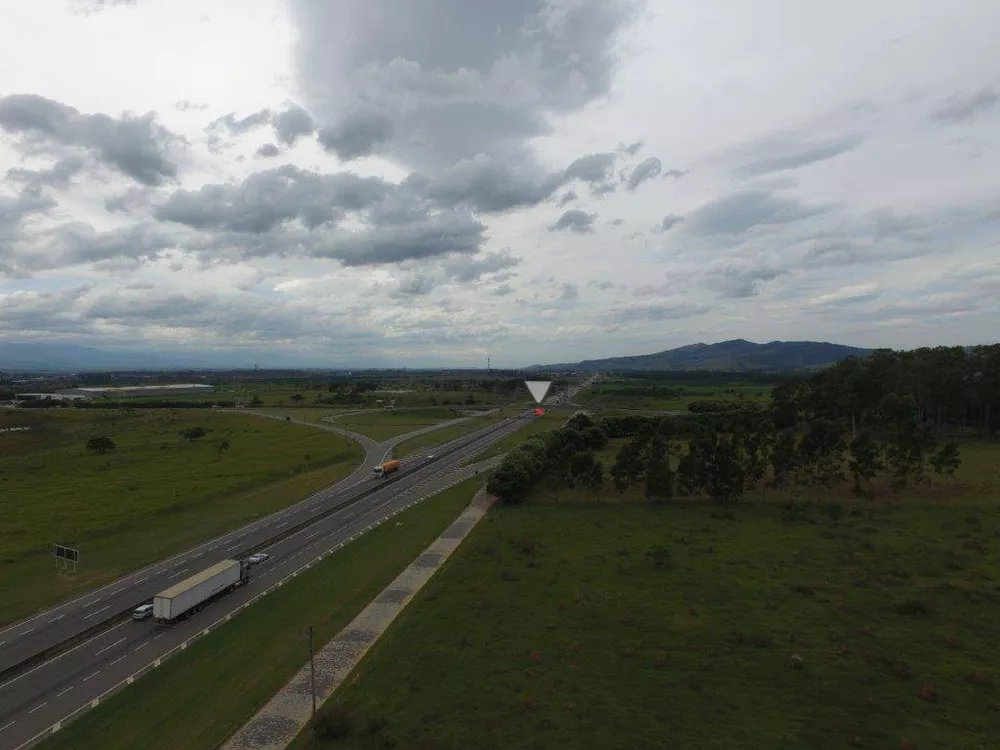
x=423 y=182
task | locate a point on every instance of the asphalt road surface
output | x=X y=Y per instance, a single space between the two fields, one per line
x=34 y=700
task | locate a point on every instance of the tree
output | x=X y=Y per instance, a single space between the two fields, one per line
x=659 y=479
x=947 y=459
x=783 y=457
x=864 y=463
x=822 y=451
x=727 y=475
x=193 y=433
x=100 y=445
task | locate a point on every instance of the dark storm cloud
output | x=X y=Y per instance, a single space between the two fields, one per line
x=359 y=134
x=491 y=186
x=739 y=212
x=668 y=222
x=594 y=168
x=646 y=170
x=779 y=154
x=59 y=175
x=437 y=235
x=459 y=78
x=136 y=146
x=961 y=108
x=267 y=151
x=272 y=197
x=574 y=221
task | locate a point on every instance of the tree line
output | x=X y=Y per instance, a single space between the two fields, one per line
x=891 y=414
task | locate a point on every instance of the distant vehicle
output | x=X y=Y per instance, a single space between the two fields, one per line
x=142 y=612
x=387 y=467
x=193 y=593
x=429 y=457
x=257 y=558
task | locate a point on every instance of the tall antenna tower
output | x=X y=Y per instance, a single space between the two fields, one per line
x=488 y=364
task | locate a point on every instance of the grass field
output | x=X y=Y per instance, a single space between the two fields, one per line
x=382 y=425
x=436 y=437
x=201 y=696
x=691 y=625
x=154 y=495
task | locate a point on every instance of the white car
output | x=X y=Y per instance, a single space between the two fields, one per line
x=258 y=558
x=142 y=612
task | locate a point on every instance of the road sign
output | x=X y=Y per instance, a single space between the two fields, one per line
x=67 y=555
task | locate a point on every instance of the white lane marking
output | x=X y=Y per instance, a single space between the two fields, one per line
x=142 y=644
x=158 y=635
x=174 y=575
x=24 y=632
x=118 y=659
x=140 y=580
x=315 y=533
x=44 y=664
x=60 y=695
x=40 y=705
x=194 y=557
x=97 y=611
x=118 y=591
x=7 y=725
x=108 y=648
x=91 y=675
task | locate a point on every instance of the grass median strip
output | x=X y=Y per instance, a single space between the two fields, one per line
x=199 y=697
x=445 y=434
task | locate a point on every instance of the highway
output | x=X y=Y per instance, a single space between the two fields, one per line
x=35 y=699
x=37 y=636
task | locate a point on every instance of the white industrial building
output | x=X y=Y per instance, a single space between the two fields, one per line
x=137 y=391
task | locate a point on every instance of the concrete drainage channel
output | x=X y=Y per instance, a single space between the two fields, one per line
x=455 y=478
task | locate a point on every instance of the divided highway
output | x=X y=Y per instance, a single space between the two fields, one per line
x=35 y=697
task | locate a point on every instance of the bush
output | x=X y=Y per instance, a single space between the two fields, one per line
x=333 y=722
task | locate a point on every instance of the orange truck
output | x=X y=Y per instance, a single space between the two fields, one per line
x=387 y=467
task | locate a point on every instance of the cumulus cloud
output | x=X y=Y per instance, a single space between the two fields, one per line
x=668 y=222
x=574 y=221
x=359 y=134
x=58 y=176
x=647 y=170
x=463 y=79
x=136 y=146
x=491 y=186
x=267 y=151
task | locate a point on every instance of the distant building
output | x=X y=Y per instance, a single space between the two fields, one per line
x=46 y=397
x=137 y=391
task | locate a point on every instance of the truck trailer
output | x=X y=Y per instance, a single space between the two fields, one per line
x=387 y=467
x=194 y=592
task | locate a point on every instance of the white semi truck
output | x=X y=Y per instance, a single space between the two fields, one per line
x=194 y=592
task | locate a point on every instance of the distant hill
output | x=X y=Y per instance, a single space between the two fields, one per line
x=57 y=357
x=738 y=355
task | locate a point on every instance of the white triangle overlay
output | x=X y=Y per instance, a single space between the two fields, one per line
x=538 y=389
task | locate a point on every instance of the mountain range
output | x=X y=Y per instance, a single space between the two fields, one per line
x=738 y=355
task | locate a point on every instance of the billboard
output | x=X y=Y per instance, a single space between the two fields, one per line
x=67 y=553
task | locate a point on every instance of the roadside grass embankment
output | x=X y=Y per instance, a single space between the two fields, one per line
x=199 y=697
x=384 y=424
x=446 y=434
x=154 y=495
x=626 y=624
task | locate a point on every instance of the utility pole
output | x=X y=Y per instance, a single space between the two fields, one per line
x=312 y=672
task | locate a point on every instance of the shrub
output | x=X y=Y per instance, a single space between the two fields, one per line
x=333 y=721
